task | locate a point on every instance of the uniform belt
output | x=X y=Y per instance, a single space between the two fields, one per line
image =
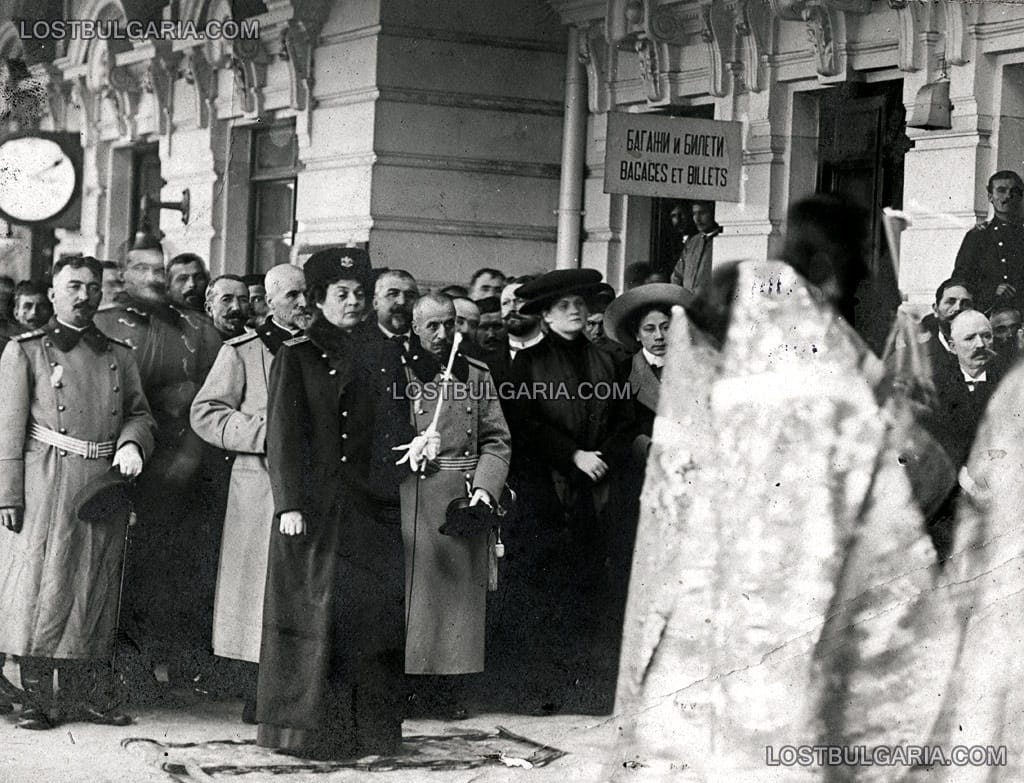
x=83 y=448
x=457 y=463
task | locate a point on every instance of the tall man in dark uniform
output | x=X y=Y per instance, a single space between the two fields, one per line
x=991 y=257
x=170 y=574
x=330 y=681
x=73 y=409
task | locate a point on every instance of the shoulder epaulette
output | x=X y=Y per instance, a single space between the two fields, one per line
x=296 y=340
x=983 y=226
x=476 y=363
x=122 y=343
x=29 y=335
x=241 y=339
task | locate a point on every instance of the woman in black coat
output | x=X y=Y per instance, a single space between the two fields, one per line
x=330 y=681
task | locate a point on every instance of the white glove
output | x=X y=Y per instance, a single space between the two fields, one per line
x=420 y=450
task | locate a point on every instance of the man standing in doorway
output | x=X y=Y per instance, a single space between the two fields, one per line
x=991 y=256
x=693 y=269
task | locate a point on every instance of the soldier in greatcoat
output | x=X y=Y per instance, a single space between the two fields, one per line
x=172 y=564
x=446 y=576
x=230 y=413
x=330 y=676
x=73 y=410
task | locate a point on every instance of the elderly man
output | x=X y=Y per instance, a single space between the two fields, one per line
x=991 y=256
x=227 y=304
x=394 y=293
x=174 y=352
x=446 y=576
x=73 y=409
x=963 y=388
x=187 y=281
x=230 y=413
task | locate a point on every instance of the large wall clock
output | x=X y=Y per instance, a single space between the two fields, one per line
x=38 y=179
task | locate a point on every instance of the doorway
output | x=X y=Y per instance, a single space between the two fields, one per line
x=862 y=144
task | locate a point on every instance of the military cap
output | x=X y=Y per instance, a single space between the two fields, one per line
x=106 y=495
x=552 y=286
x=339 y=263
x=489 y=304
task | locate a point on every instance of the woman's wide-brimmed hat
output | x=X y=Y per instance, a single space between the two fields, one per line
x=619 y=321
x=543 y=291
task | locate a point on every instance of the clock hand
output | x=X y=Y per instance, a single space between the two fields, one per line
x=38 y=174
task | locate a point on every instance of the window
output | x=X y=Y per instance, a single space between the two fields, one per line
x=272 y=179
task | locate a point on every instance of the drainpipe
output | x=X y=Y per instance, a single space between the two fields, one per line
x=574 y=147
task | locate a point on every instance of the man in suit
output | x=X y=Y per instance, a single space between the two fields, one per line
x=230 y=413
x=963 y=388
x=394 y=293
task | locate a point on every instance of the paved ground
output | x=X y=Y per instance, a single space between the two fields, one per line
x=207 y=742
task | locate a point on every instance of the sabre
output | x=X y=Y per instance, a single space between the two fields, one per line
x=444 y=379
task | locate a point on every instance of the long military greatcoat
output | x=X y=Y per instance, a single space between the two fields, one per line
x=59 y=576
x=230 y=413
x=446 y=576
x=330 y=662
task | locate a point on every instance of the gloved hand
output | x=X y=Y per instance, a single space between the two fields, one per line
x=422 y=449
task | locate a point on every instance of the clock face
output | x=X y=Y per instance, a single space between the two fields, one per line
x=37 y=179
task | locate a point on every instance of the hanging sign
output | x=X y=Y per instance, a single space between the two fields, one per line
x=674 y=157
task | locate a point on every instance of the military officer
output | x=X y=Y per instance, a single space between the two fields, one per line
x=991 y=256
x=174 y=548
x=446 y=576
x=330 y=660
x=230 y=413
x=73 y=410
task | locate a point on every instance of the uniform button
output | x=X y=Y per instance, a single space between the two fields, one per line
x=465 y=453
x=344 y=436
x=333 y=372
x=113 y=412
x=61 y=407
x=344 y=459
x=53 y=364
x=49 y=344
x=63 y=430
x=1003 y=260
x=117 y=388
x=1000 y=244
x=58 y=385
x=422 y=477
x=469 y=432
x=469 y=409
x=63 y=453
x=345 y=414
x=113 y=367
x=383 y=369
x=415 y=357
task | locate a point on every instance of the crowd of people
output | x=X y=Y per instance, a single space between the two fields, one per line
x=366 y=495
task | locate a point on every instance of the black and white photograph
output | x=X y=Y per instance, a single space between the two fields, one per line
x=498 y=391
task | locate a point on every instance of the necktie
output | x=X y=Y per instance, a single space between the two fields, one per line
x=656 y=369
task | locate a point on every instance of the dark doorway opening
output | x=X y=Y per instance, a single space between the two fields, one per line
x=862 y=144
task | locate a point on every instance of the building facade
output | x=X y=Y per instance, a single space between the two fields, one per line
x=447 y=135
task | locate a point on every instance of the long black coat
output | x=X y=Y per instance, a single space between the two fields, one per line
x=563 y=417
x=331 y=656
